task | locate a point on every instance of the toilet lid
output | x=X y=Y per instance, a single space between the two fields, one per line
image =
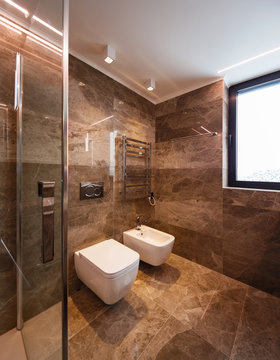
x=110 y=257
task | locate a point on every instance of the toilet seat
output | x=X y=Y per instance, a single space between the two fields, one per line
x=108 y=268
x=110 y=258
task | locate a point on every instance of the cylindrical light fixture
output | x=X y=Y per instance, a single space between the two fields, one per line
x=150 y=84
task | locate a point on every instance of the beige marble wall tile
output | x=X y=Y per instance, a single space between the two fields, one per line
x=251 y=249
x=43 y=289
x=8 y=58
x=200 y=152
x=181 y=124
x=131 y=98
x=92 y=102
x=105 y=110
x=188 y=181
x=42 y=89
x=98 y=150
x=166 y=107
x=250 y=198
x=186 y=184
x=202 y=95
x=41 y=138
x=7 y=133
x=202 y=216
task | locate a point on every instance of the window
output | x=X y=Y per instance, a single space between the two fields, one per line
x=254 y=133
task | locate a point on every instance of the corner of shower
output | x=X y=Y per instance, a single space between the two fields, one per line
x=34 y=180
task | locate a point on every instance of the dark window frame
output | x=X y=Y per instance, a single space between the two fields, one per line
x=259 y=82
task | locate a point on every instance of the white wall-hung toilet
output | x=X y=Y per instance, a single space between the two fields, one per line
x=154 y=246
x=108 y=269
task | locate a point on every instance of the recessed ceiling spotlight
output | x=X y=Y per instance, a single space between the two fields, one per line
x=150 y=84
x=250 y=59
x=82 y=84
x=36 y=18
x=109 y=54
x=21 y=9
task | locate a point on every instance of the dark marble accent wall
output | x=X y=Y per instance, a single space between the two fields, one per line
x=105 y=110
x=235 y=232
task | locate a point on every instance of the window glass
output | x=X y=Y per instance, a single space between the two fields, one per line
x=258 y=134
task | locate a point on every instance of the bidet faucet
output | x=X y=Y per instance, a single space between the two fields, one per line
x=138 y=221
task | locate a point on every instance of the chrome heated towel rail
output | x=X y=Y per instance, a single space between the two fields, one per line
x=140 y=150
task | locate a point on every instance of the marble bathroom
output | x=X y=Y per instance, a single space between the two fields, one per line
x=72 y=123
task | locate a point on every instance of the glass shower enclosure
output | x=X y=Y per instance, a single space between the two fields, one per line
x=33 y=181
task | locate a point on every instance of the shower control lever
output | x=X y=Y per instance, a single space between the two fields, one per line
x=46 y=191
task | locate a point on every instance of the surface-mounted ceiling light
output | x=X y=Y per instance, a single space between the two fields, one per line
x=21 y=9
x=109 y=54
x=250 y=59
x=150 y=84
x=34 y=17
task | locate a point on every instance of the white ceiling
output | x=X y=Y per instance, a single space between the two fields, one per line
x=180 y=43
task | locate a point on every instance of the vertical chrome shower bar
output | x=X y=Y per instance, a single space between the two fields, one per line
x=149 y=169
x=124 y=167
x=18 y=109
x=64 y=222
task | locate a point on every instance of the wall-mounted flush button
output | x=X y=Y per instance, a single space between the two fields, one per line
x=90 y=190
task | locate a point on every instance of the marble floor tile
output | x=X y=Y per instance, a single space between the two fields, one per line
x=258 y=336
x=175 y=342
x=11 y=346
x=121 y=332
x=153 y=281
x=84 y=306
x=180 y=310
x=219 y=324
x=42 y=334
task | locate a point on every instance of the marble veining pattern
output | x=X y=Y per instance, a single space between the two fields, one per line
x=105 y=110
x=232 y=231
x=179 y=310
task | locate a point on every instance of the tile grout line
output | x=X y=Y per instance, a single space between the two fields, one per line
x=170 y=315
x=239 y=324
x=194 y=329
x=154 y=335
x=96 y=317
x=207 y=307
